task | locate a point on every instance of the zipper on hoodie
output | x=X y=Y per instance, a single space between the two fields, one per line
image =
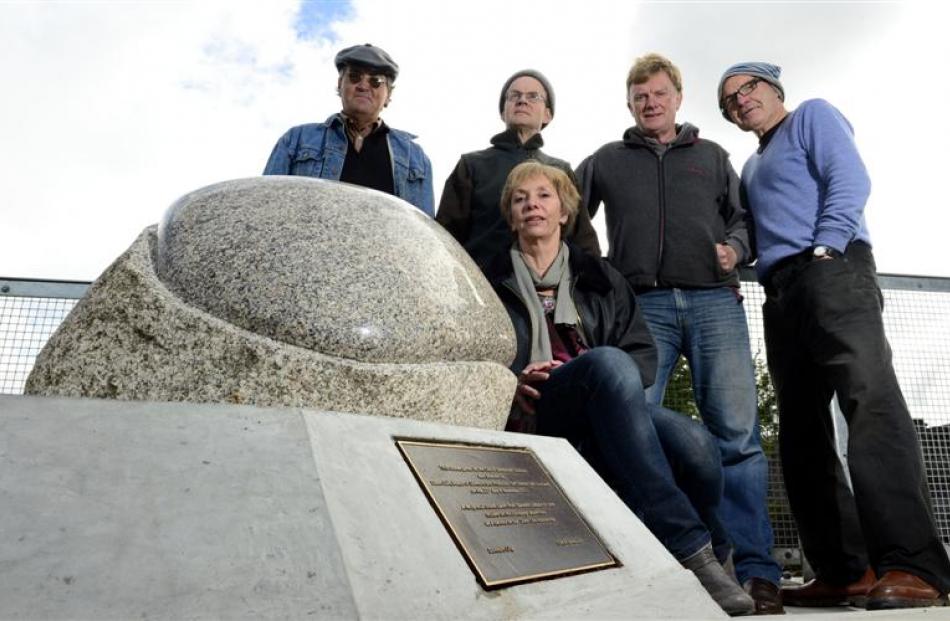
x=662 y=214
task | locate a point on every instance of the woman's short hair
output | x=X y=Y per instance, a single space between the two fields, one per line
x=563 y=185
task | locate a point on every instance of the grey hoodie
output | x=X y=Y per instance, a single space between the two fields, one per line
x=666 y=209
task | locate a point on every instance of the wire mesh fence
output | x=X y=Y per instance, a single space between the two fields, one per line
x=917 y=322
x=30 y=311
x=916 y=316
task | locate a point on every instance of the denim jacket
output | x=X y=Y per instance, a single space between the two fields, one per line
x=319 y=149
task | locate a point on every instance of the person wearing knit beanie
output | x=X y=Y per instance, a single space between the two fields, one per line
x=548 y=93
x=763 y=71
x=469 y=209
x=806 y=188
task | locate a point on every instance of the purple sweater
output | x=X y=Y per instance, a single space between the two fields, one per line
x=808 y=187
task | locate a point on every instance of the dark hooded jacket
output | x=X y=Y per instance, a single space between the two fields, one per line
x=666 y=212
x=469 y=207
x=606 y=305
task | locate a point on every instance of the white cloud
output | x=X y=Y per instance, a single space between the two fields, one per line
x=113 y=110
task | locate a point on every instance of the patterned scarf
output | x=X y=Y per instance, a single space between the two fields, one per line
x=558 y=277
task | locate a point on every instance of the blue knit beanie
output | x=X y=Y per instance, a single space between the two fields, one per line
x=768 y=72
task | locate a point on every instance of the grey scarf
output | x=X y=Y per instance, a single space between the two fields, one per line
x=558 y=277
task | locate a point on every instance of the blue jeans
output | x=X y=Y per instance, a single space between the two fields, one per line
x=663 y=465
x=708 y=327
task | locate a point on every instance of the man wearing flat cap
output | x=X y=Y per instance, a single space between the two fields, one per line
x=469 y=208
x=355 y=145
x=874 y=542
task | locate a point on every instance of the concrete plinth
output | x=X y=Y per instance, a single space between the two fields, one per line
x=176 y=510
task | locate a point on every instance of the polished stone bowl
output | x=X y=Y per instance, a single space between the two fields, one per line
x=291 y=291
x=331 y=267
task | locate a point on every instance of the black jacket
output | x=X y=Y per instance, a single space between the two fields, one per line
x=665 y=214
x=469 y=207
x=605 y=303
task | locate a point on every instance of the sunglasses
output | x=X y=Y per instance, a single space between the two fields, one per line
x=355 y=76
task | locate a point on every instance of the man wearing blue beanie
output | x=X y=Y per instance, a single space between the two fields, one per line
x=806 y=189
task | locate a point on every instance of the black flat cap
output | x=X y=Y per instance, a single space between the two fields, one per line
x=369 y=56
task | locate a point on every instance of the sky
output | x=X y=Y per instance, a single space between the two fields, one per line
x=110 y=111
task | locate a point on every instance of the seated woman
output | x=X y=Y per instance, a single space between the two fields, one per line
x=584 y=357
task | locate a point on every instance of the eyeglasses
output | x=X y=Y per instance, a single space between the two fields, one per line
x=532 y=97
x=730 y=102
x=355 y=76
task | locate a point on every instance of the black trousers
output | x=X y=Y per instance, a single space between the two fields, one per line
x=824 y=336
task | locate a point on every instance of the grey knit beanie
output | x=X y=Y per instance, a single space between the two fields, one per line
x=765 y=71
x=531 y=73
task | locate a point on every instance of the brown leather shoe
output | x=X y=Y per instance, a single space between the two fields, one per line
x=767 y=597
x=819 y=594
x=899 y=589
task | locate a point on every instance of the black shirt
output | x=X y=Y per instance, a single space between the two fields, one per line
x=371 y=166
x=767 y=136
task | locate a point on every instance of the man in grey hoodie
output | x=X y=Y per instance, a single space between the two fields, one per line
x=677 y=232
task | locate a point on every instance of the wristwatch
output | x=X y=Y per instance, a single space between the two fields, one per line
x=824 y=252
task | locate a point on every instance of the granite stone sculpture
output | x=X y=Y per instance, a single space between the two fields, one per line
x=296 y=292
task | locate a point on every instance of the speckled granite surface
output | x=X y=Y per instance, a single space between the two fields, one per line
x=295 y=292
x=331 y=267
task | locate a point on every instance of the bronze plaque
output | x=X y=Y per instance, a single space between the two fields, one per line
x=507 y=515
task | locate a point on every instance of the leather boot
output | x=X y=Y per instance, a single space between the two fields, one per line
x=766 y=595
x=718 y=584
